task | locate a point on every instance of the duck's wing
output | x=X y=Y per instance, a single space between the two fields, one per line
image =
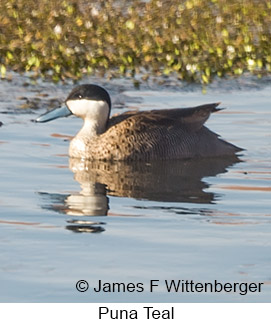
x=192 y=118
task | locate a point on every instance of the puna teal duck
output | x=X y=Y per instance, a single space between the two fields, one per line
x=146 y=135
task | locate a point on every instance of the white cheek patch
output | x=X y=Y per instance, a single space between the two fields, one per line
x=88 y=108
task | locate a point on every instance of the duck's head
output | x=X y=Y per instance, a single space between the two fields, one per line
x=87 y=101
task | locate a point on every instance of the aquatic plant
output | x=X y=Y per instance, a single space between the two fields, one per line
x=195 y=39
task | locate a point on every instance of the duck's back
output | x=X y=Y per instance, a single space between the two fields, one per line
x=160 y=134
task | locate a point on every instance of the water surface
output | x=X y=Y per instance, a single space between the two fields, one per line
x=62 y=220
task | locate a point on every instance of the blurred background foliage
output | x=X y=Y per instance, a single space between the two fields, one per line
x=194 y=39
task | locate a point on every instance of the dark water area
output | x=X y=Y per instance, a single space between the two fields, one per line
x=63 y=220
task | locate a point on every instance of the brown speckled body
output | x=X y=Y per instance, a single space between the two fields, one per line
x=157 y=134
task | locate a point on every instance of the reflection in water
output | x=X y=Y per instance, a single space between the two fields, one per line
x=85 y=226
x=165 y=181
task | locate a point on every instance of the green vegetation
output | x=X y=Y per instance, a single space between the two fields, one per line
x=195 y=39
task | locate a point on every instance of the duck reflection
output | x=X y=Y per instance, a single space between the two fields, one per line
x=164 y=181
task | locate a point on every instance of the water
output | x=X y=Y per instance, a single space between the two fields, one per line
x=62 y=220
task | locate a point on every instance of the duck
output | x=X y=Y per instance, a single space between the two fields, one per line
x=165 y=134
